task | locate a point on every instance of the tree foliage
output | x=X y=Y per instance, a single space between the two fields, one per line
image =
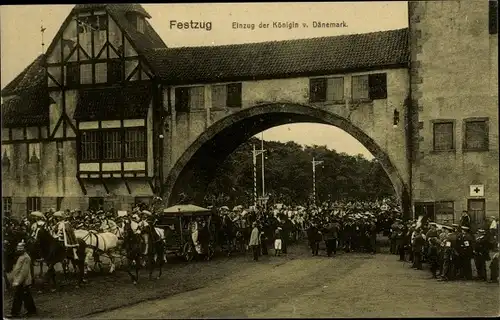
x=288 y=175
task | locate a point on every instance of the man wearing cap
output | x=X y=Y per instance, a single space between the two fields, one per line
x=22 y=279
x=481 y=254
x=465 y=219
x=467 y=244
x=450 y=255
x=66 y=233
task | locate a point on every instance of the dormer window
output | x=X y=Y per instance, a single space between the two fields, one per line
x=140 y=24
x=137 y=20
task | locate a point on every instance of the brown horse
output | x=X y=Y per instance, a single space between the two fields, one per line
x=133 y=243
x=53 y=252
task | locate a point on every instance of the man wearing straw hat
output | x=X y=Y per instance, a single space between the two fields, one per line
x=22 y=279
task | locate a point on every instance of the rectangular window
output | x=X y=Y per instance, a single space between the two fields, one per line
x=476 y=210
x=140 y=24
x=476 y=135
x=219 y=96
x=101 y=72
x=72 y=74
x=426 y=209
x=86 y=74
x=317 y=89
x=493 y=17
x=335 y=89
x=443 y=136
x=6 y=205
x=111 y=145
x=92 y=23
x=90 y=145
x=34 y=152
x=233 y=95
x=369 y=87
x=115 y=71
x=196 y=98
x=135 y=143
x=182 y=99
x=378 y=86
x=445 y=213
x=59 y=203
x=6 y=154
x=360 y=88
x=96 y=203
x=33 y=204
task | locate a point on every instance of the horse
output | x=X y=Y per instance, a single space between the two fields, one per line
x=134 y=243
x=53 y=252
x=96 y=244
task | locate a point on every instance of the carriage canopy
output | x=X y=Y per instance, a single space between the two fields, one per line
x=186 y=210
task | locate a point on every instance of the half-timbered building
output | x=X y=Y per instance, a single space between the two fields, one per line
x=77 y=126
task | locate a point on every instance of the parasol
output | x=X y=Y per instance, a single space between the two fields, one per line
x=37 y=214
x=59 y=214
x=122 y=213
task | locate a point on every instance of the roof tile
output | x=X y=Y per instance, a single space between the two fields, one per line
x=280 y=58
x=29 y=109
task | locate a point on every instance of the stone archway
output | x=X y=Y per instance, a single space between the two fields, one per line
x=195 y=168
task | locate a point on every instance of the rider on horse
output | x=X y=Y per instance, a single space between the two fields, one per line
x=65 y=232
x=39 y=222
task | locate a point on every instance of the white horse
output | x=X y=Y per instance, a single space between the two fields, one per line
x=117 y=229
x=98 y=243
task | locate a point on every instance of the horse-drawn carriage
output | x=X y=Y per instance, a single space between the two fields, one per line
x=187 y=231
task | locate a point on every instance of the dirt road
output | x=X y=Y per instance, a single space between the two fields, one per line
x=349 y=285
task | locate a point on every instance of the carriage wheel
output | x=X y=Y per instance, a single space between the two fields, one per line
x=187 y=252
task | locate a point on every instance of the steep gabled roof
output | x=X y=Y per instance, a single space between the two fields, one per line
x=31 y=76
x=141 y=41
x=281 y=58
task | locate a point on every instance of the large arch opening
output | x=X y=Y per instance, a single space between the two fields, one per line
x=196 y=168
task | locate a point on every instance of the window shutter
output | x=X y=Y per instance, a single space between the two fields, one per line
x=360 y=88
x=493 y=17
x=335 y=89
x=317 y=89
x=181 y=99
x=219 y=96
x=378 y=86
x=234 y=95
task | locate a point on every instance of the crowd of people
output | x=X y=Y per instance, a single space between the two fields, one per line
x=449 y=251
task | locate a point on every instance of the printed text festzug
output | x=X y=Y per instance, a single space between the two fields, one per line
x=191 y=25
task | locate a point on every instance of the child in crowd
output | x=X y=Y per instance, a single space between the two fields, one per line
x=277 y=241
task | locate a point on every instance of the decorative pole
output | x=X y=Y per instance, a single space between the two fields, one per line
x=255 y=153
x=262 y=154
x=314 y=163
x=254 y=156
